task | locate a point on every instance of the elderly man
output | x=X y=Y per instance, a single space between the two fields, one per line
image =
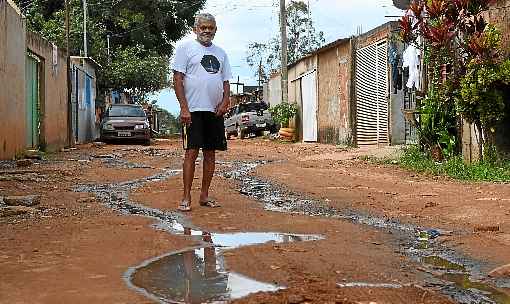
x=201 y=82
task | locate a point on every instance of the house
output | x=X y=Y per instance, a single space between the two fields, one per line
x=33 y=100
x=344 y=91
x=85 y=116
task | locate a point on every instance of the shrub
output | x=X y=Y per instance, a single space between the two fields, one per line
x=282 y=113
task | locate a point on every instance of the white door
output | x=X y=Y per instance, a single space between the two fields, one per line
x=309 y=98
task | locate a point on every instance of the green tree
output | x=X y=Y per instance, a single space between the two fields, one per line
x=141 y=36
x=168 y=122
x=302 y=38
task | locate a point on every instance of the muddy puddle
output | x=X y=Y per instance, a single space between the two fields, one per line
x=193 y=275
x=447 y=271
x=200 y=275
x=196 y=275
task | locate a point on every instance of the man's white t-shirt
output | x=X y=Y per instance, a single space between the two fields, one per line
x=205 y=70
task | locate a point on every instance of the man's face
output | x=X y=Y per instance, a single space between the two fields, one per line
x=205 y=31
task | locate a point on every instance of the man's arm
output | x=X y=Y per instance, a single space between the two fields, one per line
x=225 y=103
x=181 y=97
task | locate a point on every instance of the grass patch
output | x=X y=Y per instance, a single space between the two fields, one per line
x=414 y=159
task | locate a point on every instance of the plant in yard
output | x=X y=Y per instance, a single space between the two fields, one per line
x=414 y=159
x=282 y=113
x=460 y=50
x=484 y=99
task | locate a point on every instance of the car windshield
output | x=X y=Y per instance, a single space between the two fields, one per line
x=126 y=112
x=252 y=107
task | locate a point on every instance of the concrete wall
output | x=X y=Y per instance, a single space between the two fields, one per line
x=53 y=93
x=12 y=81
x=334 y=77
x=397 y=119
x=470 y=143
x=274 y=90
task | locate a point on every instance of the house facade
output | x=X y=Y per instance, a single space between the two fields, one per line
x=84 y=115
x=343 y=92
x=33 y=99
x=35 y=109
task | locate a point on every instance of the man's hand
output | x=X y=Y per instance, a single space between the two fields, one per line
x=185 y=117
x=222 y=108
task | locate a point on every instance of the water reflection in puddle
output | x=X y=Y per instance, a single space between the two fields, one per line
x=199 y=275
x=479 y=292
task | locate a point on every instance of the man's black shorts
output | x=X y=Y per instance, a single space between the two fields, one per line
x=206 y=132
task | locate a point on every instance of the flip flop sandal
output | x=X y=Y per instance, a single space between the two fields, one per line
x=184 y=206
x=210 y=204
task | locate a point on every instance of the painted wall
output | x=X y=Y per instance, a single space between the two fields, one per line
x=334 y=80
x=53 y=93
x=12 y=80
x=83 y=97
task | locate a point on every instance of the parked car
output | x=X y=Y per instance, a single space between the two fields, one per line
x=246 y=118
x=125 y=122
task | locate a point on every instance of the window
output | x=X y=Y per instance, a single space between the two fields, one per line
x=126 y=112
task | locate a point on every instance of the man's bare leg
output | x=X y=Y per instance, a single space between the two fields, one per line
x=188 y=169
x=209 y=166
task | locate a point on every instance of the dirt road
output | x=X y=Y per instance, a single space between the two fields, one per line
x=304 y=223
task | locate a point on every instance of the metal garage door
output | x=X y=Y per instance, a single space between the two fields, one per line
x=372 y=94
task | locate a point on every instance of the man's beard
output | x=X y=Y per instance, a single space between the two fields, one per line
x=205 y=38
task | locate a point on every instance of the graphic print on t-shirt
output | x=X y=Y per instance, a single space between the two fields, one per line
x=210 y=64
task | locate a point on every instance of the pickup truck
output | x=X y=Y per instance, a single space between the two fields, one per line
x=246 y=118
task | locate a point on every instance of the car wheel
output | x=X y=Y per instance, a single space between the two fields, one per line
x=240 y=133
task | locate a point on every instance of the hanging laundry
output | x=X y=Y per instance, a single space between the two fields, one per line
x=411 y=60
x=393 y=59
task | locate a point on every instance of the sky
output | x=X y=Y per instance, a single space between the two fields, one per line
x=241 y=22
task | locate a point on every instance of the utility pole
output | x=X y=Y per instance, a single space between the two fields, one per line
x=260 y=74
x=70 y=134
x=108 y=47
x=85 y=50
x=283 y=33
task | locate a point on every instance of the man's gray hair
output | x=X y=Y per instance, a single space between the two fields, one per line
x=202 y=17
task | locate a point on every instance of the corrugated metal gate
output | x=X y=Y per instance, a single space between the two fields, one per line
x=32 y=101
x=372 y=94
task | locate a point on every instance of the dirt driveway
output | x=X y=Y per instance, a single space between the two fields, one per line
x=83 y=244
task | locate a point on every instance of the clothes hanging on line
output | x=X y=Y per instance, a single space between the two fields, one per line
x=411 y=59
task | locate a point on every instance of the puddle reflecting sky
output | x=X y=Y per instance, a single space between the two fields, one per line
x=200 y=275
